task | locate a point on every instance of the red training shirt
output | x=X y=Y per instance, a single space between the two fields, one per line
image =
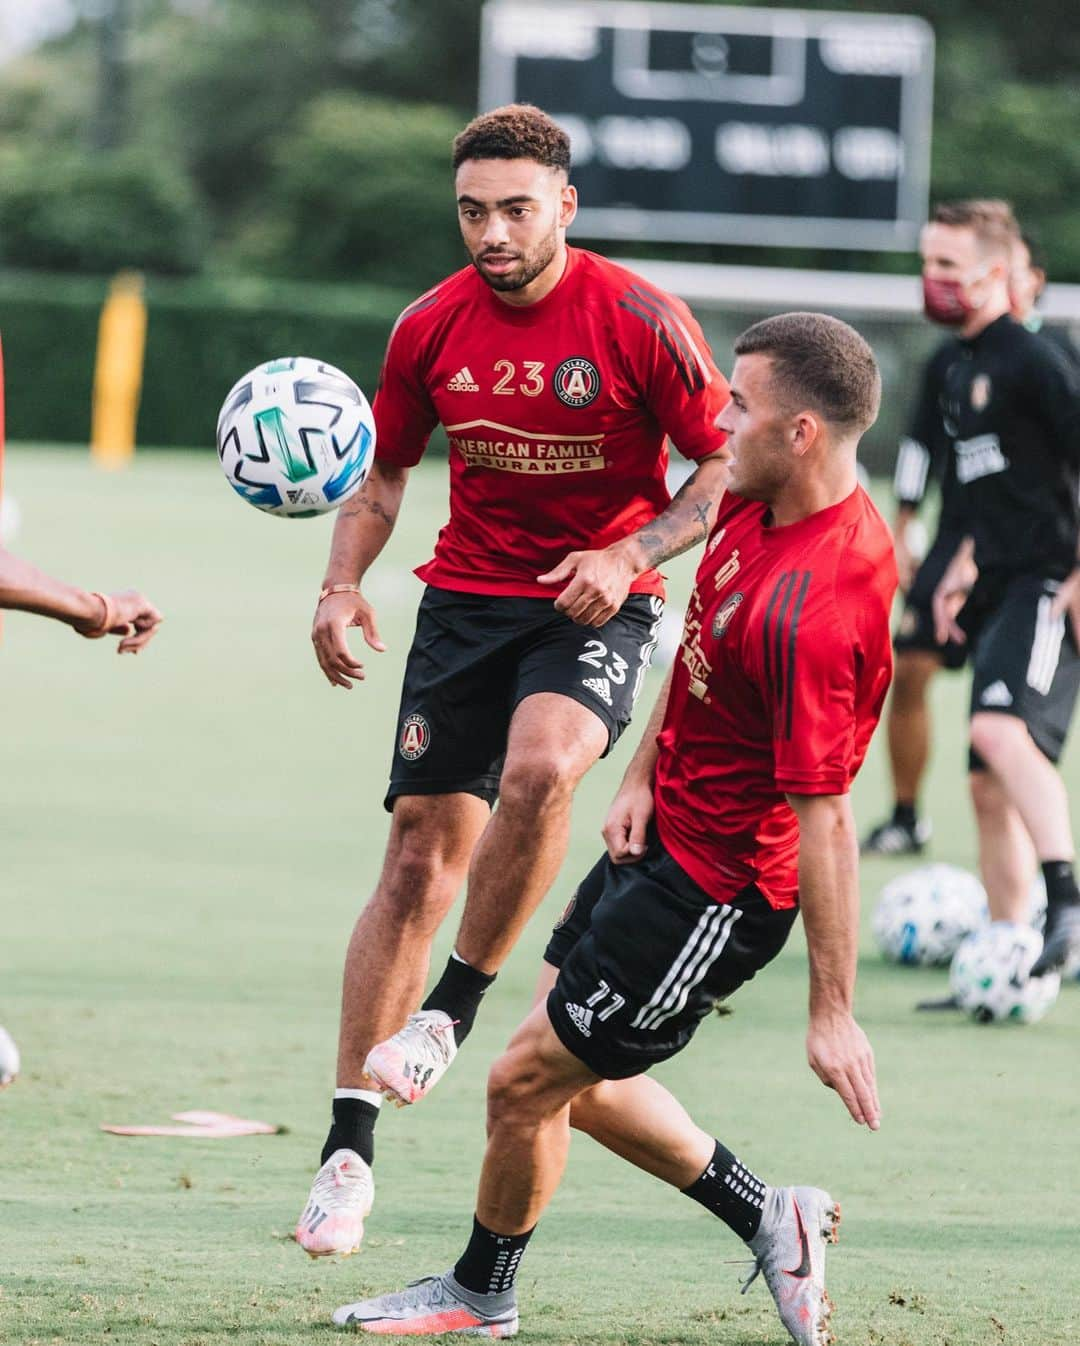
x=556 y=414
x=785 y=662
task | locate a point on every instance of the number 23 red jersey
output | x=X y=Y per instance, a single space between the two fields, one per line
x=785 y=662
x=556 y=414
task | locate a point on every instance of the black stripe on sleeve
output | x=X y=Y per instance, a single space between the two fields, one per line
x=685 y=373
x=778 y=638
x=671 y=325
x=793 y=629
x=770 y=676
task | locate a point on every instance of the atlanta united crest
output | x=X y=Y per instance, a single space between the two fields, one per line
x=576 y=382
x=415 y=737
x=722 y=620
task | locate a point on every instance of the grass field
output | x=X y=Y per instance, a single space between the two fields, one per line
x=186 y=838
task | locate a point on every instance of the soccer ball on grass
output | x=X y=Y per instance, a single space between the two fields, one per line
x=990 y=975
x=295 y=437
x=922 y=915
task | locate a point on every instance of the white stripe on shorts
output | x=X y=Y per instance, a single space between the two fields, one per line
x=656 y=607
x=1045 y=647
x=696 y=957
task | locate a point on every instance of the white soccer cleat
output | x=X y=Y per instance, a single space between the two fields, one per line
x=789 y=1251
x=9 y=1058
x=409 y=1065
x=342 y=1194
x=435 y=1306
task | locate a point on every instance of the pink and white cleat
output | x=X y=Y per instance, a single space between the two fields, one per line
x=409 y=1065
x=332 y=1223
x=789 y=1251
x=435 y=1306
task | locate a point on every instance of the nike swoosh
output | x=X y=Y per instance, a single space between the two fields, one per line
x=803 y=1269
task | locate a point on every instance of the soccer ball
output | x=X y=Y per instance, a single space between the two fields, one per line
x=1037 y=908
x=922 y=916
x=295 y=437
x=990 y=974
x=9 y=1058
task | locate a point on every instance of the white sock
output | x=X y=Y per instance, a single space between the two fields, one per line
x=365 y=1096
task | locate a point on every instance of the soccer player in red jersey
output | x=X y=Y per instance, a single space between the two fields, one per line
x=557 y=376
x=733 y=814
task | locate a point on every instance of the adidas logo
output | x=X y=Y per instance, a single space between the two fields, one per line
x=599 y=687
x=997 y=694
x=463 y=382
x=581 y=1018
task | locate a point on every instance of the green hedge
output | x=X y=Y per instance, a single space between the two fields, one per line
x=201 y=336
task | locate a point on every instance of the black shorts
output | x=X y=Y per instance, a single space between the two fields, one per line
x=474 y=658
x=915 y=630
x=1024 y=661
x=644 y=954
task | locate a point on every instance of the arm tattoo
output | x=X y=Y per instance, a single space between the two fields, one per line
x=682 y=524
x=364 y=504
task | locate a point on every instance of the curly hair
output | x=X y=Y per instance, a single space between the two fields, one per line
x=517 y=131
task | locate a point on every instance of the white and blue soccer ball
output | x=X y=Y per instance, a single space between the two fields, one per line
x=295 y=437
x=922 y=915
x=990 y=975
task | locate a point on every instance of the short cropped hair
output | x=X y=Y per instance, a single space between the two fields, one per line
x=517 y=131
x=991 y=221
x=820 y=363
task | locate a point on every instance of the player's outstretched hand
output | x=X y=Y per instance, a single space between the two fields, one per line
x=597 y=583
x=333 y=617
x=130 y=615
x=626 y=826
x=841 y=1057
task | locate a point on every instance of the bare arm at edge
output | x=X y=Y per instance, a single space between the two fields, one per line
x=836 y=1047
x=627 y=822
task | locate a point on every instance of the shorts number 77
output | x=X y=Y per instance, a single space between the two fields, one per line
x=604 y=990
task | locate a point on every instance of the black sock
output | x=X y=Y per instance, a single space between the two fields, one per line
x=490 y=1262
x=1061 y=889
x=730 y=1190
x=905 y=815
x=458 y=992
x=353 y=1128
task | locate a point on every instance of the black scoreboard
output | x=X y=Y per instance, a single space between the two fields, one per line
x=713 y=124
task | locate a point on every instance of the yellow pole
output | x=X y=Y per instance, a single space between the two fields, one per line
x=118 y=372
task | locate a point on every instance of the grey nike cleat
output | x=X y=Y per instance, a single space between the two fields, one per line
x=1061 y=940
x=789 y=1250
x=433 y=1307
